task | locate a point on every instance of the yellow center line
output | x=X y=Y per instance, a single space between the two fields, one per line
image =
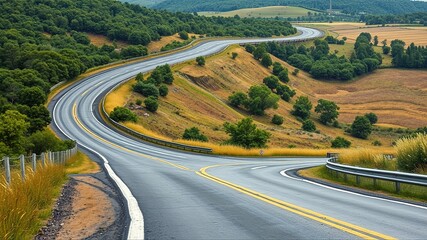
x=341 y=225
x=123 y=148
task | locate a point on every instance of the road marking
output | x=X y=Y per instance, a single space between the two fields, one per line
x=283 y=173
x=123 y=148
x=85 y=92
x=341 y=225
x=255 y=168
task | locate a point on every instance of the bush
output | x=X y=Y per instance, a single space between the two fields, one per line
x=302 y=107
x=194 y=134
x=340 y=142
x=163 y=90
x=151 y=104
x=266 y=60
x=246 y=134
x=201 y=61
x=284 y=76
x=361 y=127
x=183 y=35
x=237 y=99
x=146 y=89
x=277 y=119
x=250 y=48
x=138 y=102
x=377 y=143
x=412 y=154
x=234 y=55
x=122 y=114
x=372 y=117
x=308 y=126
x=295 y=72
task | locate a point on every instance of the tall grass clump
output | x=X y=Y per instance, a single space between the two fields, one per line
x=366 y=158
x=25 y=204
x=412 y=154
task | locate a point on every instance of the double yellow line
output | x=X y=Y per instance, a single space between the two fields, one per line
x=341 y=225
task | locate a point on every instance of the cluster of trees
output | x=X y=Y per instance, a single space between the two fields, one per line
x=194 y=134
x=362 y=125
x=258 y=99
x=410 y=18
x=333 y=40
x=350 y=7
x=154 y=86
x=411 y=57
x=322 y=65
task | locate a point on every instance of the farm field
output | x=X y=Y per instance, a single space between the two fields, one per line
x=263 y=12
x=206 y=90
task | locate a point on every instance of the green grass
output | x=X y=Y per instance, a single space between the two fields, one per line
x=410 y=192
x=263 y=12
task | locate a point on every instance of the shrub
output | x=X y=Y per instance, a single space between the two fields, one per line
x=372 y=117
x=412 y=153
x=201 y=61
x=266 y=60
x=308 y=126
x=146 y=89
x=151 y=104
x=237 y=99
x=250 y=48
x=295 y=72
x=361 y=127
x=163 y=90
x=277 y=119
x=138 y=102
x=328 y=111
x=302 y=107
x=340 y=142
x=122 y=114
x=284 y=76
x=246 y=134
x=234 y=55
x=277 y=68
x=183 y=35
x=194 y=134
x=139 y=77
x=377 y=143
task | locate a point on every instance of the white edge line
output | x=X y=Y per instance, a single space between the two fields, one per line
x=136 y=225
x=283 y=173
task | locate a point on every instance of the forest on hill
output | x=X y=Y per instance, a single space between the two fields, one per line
x=43 y=42
x=351 y=7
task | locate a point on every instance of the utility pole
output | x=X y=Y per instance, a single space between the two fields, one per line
x=330 y=7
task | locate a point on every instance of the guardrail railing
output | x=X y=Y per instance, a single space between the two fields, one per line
x=375 y=174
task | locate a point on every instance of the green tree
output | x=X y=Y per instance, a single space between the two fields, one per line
x=386 y=50
x=139 y=77
x=308 y=126
x=139 y=38
x=259 y=52
x=194 y=134
x=266 y=60
x=340 y=142
x=375 y=40
x=151 y=104
x=163 y=90
x=361 y=127
x=372 y=117
x=277 y=119
x=284 y=76
x=302 y=107
x=146 y=89
x=237 y=99
x=328 y=111
x=183 y=35
x=32 y=96
x=271 y=82
x=246 y=134
x=234 y=55
x=13 y=128
x=277 y=68
x=122 y=114
x=260 y=99
x=250 y=48
x=201 y=61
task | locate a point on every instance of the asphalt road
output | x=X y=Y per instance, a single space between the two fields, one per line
x=181 y=197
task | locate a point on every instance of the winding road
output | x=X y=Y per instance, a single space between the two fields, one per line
x=189 y=196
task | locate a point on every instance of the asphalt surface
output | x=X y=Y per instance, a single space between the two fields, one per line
x=251 y=200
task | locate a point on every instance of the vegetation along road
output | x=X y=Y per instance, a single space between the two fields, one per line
x=189 y=196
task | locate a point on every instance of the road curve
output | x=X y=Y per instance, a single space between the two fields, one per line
x=188 y=196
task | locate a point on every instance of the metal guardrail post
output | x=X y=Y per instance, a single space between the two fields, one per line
x=7 y=168
x=33 y=161
x=22 y=164
x=43 y=158
x=397 y=187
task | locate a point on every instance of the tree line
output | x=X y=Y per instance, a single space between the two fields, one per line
x=410 y=18
x=411 y=57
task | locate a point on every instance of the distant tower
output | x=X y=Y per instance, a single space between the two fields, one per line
x=330 y=6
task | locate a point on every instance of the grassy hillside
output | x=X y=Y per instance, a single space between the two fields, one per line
x=264 y=12
x=206 y=89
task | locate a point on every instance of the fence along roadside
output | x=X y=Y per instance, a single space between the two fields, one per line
x=45 y=158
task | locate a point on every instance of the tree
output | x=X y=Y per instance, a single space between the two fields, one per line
x=386 y=50
x=361 y=127
x=13 y=127
x=201 y=61
x=246 y=134
x=260 y=99
x=372 y=117
x=139 y=77
x=308 y=126
x=32 y=96
x=271 y=82
x=146 y=89
x=183 y=35
x=302 y=107
x=375 y=40
x=151 y=104
x=328 y=111
x=122 y=114
x=250 y=48
x=139 y=38
x=194 y=134
x=340 y=142
x=266 y=60
x=163 y=90
x=277 y=119
x=284 y=76
x=237 y=99
x=277 y=68
x=295 y=72
x=234 y=55
x=259 y=52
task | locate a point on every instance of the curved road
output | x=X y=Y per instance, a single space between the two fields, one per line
x=188 y=196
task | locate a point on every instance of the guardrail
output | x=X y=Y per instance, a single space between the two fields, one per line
x=22 y=162
x=375 y=174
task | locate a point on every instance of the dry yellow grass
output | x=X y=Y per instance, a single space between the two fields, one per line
x=371 y=158
x=118 y=97
x=81 y=164
x=156 y=46
x=99 y=40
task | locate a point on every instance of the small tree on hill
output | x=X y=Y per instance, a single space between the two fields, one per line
x=122 y=114
x=260 y=99
x=237 y=99
x=146 y=89
x=151 y=104
x=375 y=40
x=277 y=68
x=340 y=142
x=246 y=134
x=234 y=55
x=201 y=61
x=250 y=48
x=271 y=82
x=361 y=127
x=328 y=111
x=372 y=117
x=194 y=134
x=277 y=119
x=163 y=90
x=308 y=126
x=302 y=107
x=284 y=76
x=139 y=77
x=266 y=60
x=183 y=35
x=259 y=52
